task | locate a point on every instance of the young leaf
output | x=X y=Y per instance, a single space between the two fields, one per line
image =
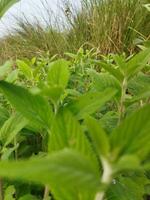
x=25 y=69
x=98 y=136
x=66 y=169
x=53 y=93
x=58 y=74
x=109 y=68
x=11 y=128
x=90 y=102
x=137 y=63
x=132 y=135
x=33 y=107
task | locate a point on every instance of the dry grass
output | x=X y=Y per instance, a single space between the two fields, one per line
x=108 y=25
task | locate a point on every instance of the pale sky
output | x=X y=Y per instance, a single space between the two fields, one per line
x=30 y=8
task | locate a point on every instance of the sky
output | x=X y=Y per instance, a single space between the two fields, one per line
x=29 y=8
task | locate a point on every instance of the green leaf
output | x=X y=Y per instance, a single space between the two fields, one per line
x=9 y=193
x=132 y=135
x=25 y=69
x=5 y=69
x=90 y=102
x=127 y=188
x=127 y=162
x=67 y=132
x=139 y=84
x=12 y=77
x=142 y=96
x=136 y=63
x=109 y=121
x=5 y=5
x=98 y=136
x=110 y=68
x=11 y=128
x=33 y=107
x=120 y=61
x=64 y=169
x=28 y=197
x=7 y=152
x=58 y=74
x=53 y=93
x=102 y=81
x=4 y=115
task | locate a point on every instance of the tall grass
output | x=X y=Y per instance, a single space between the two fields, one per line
x=108 y=25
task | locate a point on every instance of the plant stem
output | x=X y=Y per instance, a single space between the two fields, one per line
x=106 y=177
x=16 y=151
x=46 y=192
x=1 y=189
x=122 y=100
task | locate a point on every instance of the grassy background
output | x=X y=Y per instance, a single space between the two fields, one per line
x=107 y=25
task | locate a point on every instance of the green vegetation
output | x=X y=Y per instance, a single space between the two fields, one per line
x=77 y=127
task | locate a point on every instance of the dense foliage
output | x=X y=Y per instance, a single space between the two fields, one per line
x=75 y=128
x=82 y=125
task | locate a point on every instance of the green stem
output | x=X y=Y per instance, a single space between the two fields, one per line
x=46 y=193
x=106 y=177
x=1 y=189
x=16 y=151
x=122 y=100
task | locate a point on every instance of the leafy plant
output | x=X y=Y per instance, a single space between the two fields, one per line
x=94 y=141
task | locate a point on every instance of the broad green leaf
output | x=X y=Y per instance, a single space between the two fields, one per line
x=136 y=63
x=90 y=102
x=127 y=188
x=53 y=93
x=9 y=193
x=102 y=81
x=127 y=162
x=25 y=69
x=58 y=74
x=98 y=136
x=109 y=121
x=33 y=107
x=11 y=128
x=12 y=77
x=71 y=194
x=132 y=135
x=67 y=132
x=64 y=169
x=5 y=69
x=139 y=84
x=5 y=5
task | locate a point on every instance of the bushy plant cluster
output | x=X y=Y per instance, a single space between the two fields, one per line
x=76 y=128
